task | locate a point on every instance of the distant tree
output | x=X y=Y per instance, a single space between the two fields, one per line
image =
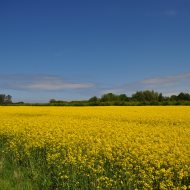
x=2 y=98
x=20 y=102
x=109 y=97
x=160 y=97
x=123 y=97
x=52 y=101
x=183 y=96
x=173 y=98
x=146 y=95
x=93 y=99
x=139 y=96
x=8 y=99
x=5 y=99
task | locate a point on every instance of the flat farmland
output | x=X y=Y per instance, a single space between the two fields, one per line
x=95 y=147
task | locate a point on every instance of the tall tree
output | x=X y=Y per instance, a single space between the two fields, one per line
x=109 y=97
x=183 y=96
x=2 y=98
x=146 y=95
x=123 y=97
x=5 y=99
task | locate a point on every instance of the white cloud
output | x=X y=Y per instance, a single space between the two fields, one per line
x=39 y=82
x=167 y=80
x=166 y=84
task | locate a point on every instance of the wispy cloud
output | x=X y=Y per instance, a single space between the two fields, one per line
x=167 y=79
x=39 y=82
x=166 y=84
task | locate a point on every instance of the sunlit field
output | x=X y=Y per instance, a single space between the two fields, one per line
x=90 y=148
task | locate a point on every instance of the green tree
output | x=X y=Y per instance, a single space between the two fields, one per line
x=109 y=97
x=8 y=99
x=146 y=95
x=2 y=98
x=5 y=99
x=183 y=96
x=93 y=99
x=173 y=98
x=123 y=97
x=52 y=101
x=160 y=97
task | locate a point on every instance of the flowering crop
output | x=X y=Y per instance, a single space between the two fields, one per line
x=100 y=147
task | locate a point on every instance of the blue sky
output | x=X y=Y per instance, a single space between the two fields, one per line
x=76 y=49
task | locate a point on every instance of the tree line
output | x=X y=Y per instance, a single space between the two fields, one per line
x=146 y=97
x=5 y=99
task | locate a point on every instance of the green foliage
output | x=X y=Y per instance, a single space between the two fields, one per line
x=93 y=99
x=146 y=95
x=5 y=99
x=12 y=175
x=183 y=96
x=109 y=97
x=123 y=97
x=140 y=98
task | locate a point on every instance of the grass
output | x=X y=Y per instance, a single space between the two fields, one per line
x=30 y=174
x=12 y=175
x=14 y=178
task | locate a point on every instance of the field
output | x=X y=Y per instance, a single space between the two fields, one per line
x=90 y=148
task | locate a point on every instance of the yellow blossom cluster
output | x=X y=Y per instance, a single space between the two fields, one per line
x=101 y=147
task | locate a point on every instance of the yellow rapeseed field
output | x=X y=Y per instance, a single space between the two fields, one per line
x=100 y=147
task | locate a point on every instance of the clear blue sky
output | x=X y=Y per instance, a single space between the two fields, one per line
x=76 y=49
